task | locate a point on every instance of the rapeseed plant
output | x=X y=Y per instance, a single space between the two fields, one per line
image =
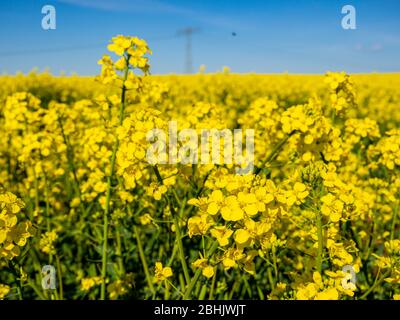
x=77 y=191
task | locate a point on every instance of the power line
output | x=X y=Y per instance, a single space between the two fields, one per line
x=70 y=48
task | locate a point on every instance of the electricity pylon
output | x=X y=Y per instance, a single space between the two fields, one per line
x=187 y=33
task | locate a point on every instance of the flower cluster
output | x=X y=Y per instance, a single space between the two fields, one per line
x=13 y=233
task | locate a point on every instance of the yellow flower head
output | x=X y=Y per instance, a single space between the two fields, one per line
x=162 y=273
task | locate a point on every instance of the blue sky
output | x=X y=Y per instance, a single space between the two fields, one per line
x=272 y=36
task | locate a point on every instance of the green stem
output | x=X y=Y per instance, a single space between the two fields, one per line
x=274 y=153
x=246 y=286
x=71 y=162
x=320 y=243
x=233 y=290
x=275 y=265
x=376 y=283
x=36 y=191
x=120 y=261
x=108 y=192
x=177 y=228
x=180 y=249
x=394 y=220
x=143 y=260
x=211 y=294
x=60 y=282
x=260 y=293
x=17 y=279
x=203 y=292
x=46 y=196
x=36 y=289
x=270 y=278
x=172 y=286
x=197 y=274
x=47 y=212
x=169 y=263
x=104 y=250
